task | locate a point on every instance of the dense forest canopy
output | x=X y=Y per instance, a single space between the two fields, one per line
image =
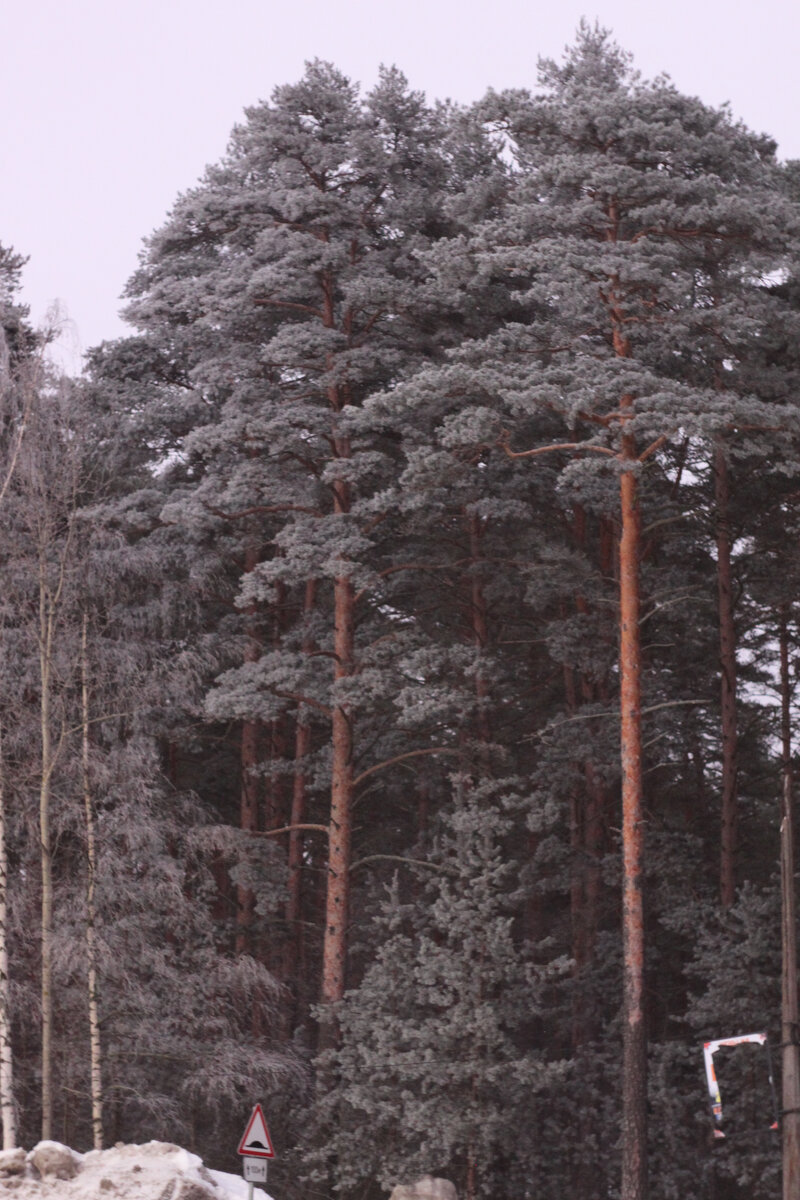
x=399 y=639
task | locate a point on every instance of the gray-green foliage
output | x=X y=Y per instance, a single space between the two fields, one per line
x=171 y=1031
x=342 y=329
x=436 y=1049
x=284 y=285
x=633 y=240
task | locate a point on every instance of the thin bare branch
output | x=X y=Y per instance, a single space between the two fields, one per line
x=287 y=829
x=389 y=762
x=537 y=450
x=409 y=862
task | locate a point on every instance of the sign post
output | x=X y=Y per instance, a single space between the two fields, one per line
x=256 y=1149
x=709 y=1050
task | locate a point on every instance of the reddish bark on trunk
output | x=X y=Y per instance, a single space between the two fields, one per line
x=249 y=752
x=634 y=1035
x=479 y=626
x=302 y=748
x=248 y=822
x=634 y=1068
x=593 y=839
x=337 y=901
x=337 y=904
x=588 y=808
x=297 y=816
x=587 y=831
x=577 y=915
x=275 y=801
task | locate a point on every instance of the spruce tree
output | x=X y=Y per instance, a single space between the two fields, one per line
x=434 y=1057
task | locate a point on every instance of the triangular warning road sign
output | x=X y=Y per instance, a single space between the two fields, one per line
x=256 y=1142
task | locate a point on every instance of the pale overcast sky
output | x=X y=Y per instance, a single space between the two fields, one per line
x=112 y=107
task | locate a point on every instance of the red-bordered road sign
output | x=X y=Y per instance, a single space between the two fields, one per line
x=256 y=1142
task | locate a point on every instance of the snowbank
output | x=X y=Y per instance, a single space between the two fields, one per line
x=155 y=1171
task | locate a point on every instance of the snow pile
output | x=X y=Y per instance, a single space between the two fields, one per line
x=155 y=1171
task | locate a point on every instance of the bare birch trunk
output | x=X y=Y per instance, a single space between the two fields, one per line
x=8 y=1115
x=95 y=1047
x=634 y=1095
x=46 y=621
x=727 y=658
x=790 y=1050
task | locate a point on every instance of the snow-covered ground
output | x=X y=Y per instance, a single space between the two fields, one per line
x=154 y=1171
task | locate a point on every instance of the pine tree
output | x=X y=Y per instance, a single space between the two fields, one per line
x=291 y=277
x=453 y=451
x=624 y=194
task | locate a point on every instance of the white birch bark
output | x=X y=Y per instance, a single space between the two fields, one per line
x=8 y=1115
x=95 y=1047
x=46 y=621
x=790 y=1049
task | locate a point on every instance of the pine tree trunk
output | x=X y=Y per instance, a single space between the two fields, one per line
x=594 y=827
x=337 y=901
x=634 y=1066
x=789 y=1004
x=334 y=953
x=248 y=822
x=587 y=813
x=8 y=1115
x=294 y=898
x=577 y=907
x=479 y=626
x=727 y=656
x=297 y=816
x=249 y=754
x=275 y=807
x=95 y=1048
x=585 y=884
x=634 y=1033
